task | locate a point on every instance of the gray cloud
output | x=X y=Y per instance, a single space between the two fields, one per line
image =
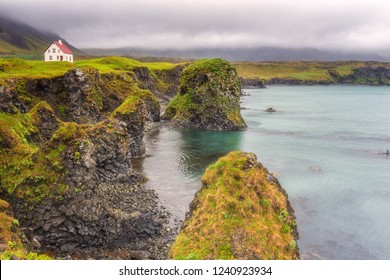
x=347 y=24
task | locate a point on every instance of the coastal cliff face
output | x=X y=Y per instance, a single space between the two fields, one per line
x=67 y=184
x=65 y=160
x=209 y=97
x=241 y=212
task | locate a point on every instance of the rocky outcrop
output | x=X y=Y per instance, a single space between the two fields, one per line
x=297 y=82
x=81 y=95
x=241 y=212
x=172 y=78
x=72 y=182
x=97 y=200
x=252 y=83
x=270 y=110
x=368 y=75
x=209 y=97
x=364 y=75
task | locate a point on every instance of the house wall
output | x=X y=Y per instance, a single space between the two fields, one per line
x=56 y=56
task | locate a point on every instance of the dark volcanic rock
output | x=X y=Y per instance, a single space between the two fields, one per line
x=86 y=194
x=252 y=83
x=10 y=102
x=270 y=110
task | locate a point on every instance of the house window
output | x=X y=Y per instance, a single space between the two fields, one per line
x=48 y=51
x=58 y=57
x=50 y=57
x=70 y=58
x=54 y=50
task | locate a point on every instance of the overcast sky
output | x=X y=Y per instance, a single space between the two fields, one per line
x=324 y=24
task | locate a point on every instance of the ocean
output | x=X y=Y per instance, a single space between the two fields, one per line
x=326 y=145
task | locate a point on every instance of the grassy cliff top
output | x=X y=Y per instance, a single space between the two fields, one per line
x=299 y=70
x=241 y=212
x=18 y=68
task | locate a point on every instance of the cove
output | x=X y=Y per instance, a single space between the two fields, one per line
x=326 y=146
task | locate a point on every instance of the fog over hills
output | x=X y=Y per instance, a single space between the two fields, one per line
x=20 y=39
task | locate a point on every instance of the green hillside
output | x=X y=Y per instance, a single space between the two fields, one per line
x=21 y=40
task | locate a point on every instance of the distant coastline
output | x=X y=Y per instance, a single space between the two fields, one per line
x=261 y=74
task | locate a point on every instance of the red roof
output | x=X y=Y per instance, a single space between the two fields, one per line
x=62 y=47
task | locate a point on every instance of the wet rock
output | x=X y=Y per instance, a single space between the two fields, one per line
x=35 y=244
x=270 y=110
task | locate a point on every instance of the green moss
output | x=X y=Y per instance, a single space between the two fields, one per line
x=36 y=256
x=137 y=98
x=237 y=214
x=68 y=131
x=130 y=105
x=27 y=170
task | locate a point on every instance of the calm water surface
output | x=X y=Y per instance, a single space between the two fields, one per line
x=325 y=144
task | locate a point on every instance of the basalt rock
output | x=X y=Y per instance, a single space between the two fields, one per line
x=72 y=182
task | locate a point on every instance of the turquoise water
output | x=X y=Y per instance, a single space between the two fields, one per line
x=325 y=144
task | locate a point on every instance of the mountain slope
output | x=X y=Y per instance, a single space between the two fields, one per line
x=19 y=39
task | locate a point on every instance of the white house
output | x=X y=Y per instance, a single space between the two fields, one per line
x=58 y=51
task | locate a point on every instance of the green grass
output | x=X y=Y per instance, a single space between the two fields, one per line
x=18 y=68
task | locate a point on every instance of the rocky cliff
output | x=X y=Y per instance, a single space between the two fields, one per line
x=209 y=97
x=65 y=167
x=241 y=212
x=368 y=75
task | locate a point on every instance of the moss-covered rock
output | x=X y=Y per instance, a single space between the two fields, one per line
x=241 y=212
x=66 y=144
x=209 y=97
x=14 y=244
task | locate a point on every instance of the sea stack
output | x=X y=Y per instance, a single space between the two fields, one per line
x=208 y=98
